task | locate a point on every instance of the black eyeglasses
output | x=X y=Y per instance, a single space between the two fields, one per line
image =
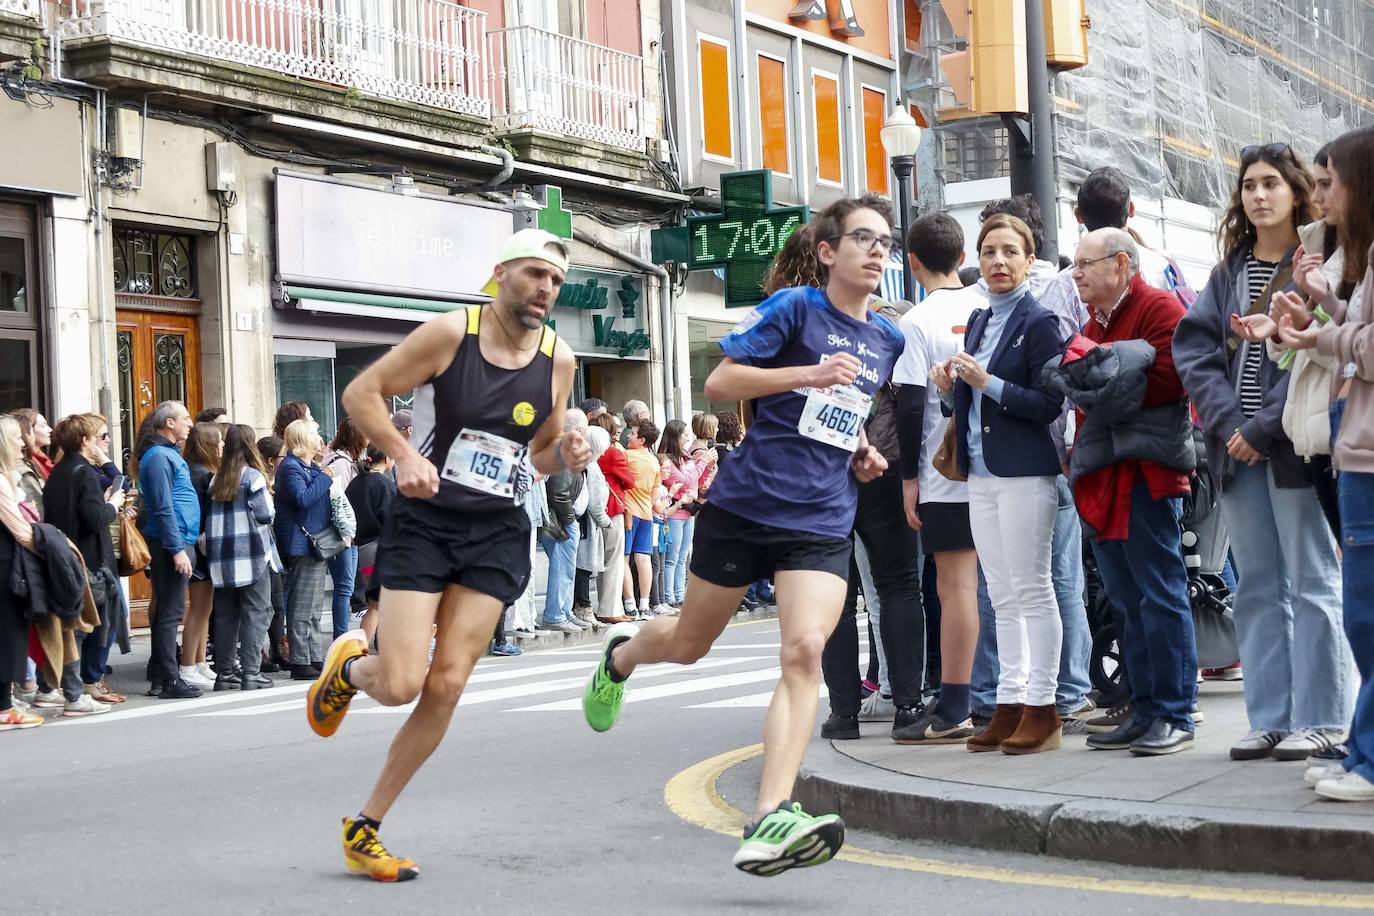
x=1079 y=266
x=1272 y=150
x=866 y=240
x=105 y=434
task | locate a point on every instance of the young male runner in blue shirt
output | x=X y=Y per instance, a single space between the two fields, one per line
x=811 y=360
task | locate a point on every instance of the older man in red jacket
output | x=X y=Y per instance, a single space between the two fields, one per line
x=1135 y=504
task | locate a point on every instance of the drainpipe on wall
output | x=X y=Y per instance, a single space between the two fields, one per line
x=501 y=177
x=665 y=312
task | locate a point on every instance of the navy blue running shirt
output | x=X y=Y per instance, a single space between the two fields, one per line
x=778 y=476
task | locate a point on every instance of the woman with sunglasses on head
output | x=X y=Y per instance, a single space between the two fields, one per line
x=1288 y=604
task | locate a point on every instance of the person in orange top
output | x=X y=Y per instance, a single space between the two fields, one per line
x=639 y=506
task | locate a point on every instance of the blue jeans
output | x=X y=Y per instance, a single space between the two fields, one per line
x=558 y=596
x=1146 y=578
x=680 y=531
x=1288 y=605
x=1067 y=571
x=343 y=568
x=1357 y=540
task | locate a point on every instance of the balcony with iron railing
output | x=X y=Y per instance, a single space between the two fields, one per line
x=429 y=52
x=541 y=80
x=22 y=9
x=21 y=24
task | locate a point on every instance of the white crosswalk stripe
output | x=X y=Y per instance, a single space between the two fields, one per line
x=694 y=685
x=733 y=673
x=515 y=691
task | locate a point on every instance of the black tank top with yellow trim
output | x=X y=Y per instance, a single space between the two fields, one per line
x=474 y=422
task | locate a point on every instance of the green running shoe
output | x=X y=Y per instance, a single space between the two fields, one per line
x=789 y=838
x=603 y=696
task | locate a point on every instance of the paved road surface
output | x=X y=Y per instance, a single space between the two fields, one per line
x=229 y=805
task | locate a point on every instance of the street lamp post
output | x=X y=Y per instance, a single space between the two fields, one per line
x=901 y=136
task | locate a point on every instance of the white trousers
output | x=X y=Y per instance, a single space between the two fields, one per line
x=521 y=614
x=1013 y=526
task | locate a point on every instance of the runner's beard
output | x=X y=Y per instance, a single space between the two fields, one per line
x=524 y=312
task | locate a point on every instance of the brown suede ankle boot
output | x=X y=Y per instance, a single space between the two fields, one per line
x=1040 y=730
x=1003 y=725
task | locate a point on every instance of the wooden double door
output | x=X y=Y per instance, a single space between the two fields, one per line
x=159 y=360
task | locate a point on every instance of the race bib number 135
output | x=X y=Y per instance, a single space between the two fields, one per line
x=483 y=462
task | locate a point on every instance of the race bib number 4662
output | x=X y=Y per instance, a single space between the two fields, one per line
x=834 y=416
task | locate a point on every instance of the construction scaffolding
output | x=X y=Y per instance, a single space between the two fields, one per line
x=1175 y=88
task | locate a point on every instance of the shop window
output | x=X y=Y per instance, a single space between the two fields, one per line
x=20 y=311
x=309 y=379
x=704 y=355
x=875 y=158
x=150 y=263
x=829 y=155
x=773 y=114
x=717 y=112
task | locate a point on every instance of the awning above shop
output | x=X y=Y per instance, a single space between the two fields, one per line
x=368 y=305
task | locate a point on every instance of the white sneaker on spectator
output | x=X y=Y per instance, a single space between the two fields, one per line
x=53 y=699
x=1350 y=787
x=877 y=708
x=1305 y=741
x=192 y=676
x=662 y=610
x=1315 y=775
x=84 y=706
x=203 y=669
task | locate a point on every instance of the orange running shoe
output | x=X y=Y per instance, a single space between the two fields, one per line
x=12 y=719
x=365 y=853
x=327 y=701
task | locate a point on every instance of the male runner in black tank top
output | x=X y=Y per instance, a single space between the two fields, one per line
x=491 y=386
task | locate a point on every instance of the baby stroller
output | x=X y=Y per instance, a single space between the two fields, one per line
x=1204 y=553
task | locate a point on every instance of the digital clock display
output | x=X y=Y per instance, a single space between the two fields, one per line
x=756 y=236
x=743 y=239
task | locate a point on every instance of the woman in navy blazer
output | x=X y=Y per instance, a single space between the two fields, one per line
x=302 y=504
x=1002 y=416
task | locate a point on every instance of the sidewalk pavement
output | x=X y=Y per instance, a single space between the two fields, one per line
x=1195 y=809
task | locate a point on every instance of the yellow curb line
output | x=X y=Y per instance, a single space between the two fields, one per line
x=692 y=795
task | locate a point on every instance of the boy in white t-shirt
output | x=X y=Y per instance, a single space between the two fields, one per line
x=935 y=505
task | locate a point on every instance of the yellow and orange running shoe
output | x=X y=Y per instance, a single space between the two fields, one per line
x=363 y=852
x=327 y=701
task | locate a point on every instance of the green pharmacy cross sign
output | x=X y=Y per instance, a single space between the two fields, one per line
x=744 y=238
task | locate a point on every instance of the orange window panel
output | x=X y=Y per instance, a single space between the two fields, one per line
x=875 y=158
x=717 y=137
x=829 y=159
x=773 y=115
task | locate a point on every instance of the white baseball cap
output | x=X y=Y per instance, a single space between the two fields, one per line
x=530 y=243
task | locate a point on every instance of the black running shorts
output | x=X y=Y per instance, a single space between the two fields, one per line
x=733 y=552
x=944 y=527
x=426 y=548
